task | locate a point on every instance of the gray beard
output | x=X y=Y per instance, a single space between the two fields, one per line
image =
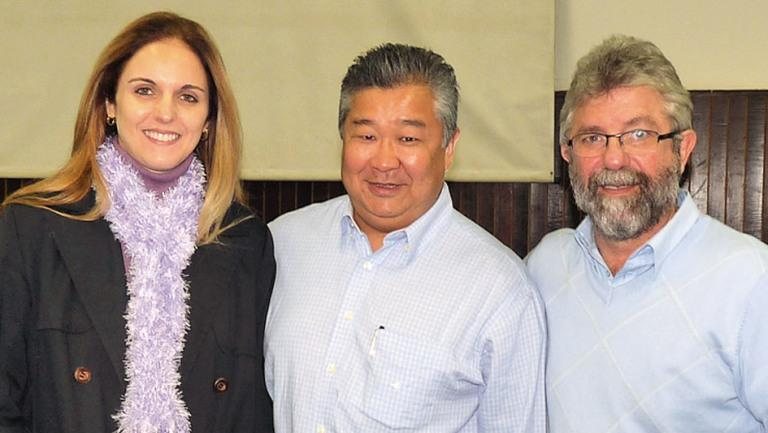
x=621 y=219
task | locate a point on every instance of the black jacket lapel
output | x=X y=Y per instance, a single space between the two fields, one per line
x=210 y=275
x=95 y=262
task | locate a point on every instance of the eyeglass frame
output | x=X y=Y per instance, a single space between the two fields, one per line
x=619 y=136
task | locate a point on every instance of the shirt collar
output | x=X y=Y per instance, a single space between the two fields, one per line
x=665 y=241
x=659 y=246
x=414 y=236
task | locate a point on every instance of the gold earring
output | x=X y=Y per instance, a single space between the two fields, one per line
x=204 y=135
x=110 y=121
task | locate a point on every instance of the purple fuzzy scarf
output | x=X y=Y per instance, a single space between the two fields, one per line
x=158 y=234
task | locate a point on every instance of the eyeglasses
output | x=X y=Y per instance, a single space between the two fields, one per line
x=634 y=142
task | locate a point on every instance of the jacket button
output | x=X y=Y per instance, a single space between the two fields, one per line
x=221 y=385
x=83 y=375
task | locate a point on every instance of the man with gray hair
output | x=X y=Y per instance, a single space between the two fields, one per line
x=391 y=311
x=655 y=310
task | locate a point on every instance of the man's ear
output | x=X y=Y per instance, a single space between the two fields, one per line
x=565 y=152
x=450 y=148
x=686 y=147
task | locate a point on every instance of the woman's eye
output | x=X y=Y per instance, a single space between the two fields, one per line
x=189 y=98
x=144 y=91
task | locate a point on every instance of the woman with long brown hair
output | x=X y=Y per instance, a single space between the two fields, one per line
x=134 y=282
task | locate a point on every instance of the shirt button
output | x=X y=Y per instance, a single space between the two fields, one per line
x=330 y=368
x=320 y=428
x=348 y=315
x=367 y=266
x=83 y=375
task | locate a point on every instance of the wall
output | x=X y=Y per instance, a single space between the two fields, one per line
x=713 y=44
x=286 y=60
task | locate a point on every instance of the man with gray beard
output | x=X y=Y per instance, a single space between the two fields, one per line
x=654 y=309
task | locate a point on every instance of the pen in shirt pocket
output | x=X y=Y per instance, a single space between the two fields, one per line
x=372 y=348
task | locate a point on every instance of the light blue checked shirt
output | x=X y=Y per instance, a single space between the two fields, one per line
x=675 y=342
x=439 y=330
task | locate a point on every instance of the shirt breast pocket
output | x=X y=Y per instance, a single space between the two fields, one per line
x=404 y=377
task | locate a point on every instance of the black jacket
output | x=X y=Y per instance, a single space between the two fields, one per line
x=62 y=330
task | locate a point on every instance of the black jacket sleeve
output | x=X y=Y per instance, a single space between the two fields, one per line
x=14 y=324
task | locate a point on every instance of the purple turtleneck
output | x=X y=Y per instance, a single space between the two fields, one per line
x=157 y=182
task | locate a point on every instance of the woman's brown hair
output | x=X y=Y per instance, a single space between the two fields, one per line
x=219 y=153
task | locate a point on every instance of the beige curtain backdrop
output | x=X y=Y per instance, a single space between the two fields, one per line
x=714 y=45
x=286 y=60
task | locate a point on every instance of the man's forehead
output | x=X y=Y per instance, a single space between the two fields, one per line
x=402 y=88
x=629 y=105
x=413 y=105
x=620 y=93
x=639 y=121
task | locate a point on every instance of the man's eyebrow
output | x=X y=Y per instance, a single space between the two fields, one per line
x=631 y=123
x=641 y=119
x=363 y=121
x=587 y=129
x=414 y=122
x=407 y=122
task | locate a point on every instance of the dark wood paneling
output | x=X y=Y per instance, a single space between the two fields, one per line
x=698 y=176
x=727 y=178
x=735 y=158
x=754 y=162
x=718 y=154
x=763 y=214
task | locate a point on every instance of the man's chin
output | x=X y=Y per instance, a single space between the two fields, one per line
x=616 y=207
